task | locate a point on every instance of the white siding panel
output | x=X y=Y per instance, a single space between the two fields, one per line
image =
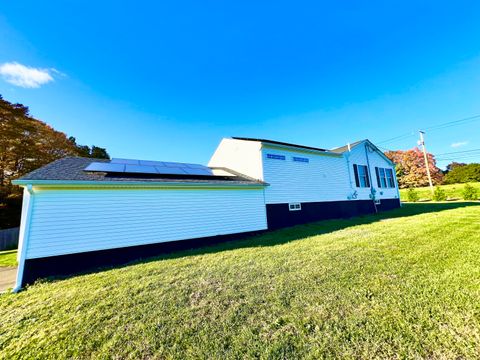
x=239 y=155
x=70 y=221
x=359 y=156
x=323 y=178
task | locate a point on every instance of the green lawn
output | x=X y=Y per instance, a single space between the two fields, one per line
x=8 y=258
x=454 y=192
x=404 y=284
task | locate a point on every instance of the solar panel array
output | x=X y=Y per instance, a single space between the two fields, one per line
x=129 y=166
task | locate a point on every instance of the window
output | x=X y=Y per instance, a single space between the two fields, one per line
x=275 y=156
x=294 y=206
x=300 y=159
x=390 y=178
x=378 y=202
x=361 y=175
x=385 y=178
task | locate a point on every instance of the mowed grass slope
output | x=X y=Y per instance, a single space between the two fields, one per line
x=453 y=191
x=399 y=285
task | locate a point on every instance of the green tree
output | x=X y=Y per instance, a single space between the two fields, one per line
x=463 y=174
x=86 y=151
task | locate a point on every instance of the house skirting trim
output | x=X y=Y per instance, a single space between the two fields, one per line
x=279 y=215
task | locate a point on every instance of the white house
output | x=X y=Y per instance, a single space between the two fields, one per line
x=308 y=184
x=80 y=213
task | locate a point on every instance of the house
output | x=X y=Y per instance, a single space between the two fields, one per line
x=81 y=213
x=309 y=184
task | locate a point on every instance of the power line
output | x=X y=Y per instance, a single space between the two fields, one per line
x=434 y=128
x=400 y=137
x=453 y=123
x=458 y=152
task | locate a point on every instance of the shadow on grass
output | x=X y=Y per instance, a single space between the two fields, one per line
x=283 y=236
x=298 y=232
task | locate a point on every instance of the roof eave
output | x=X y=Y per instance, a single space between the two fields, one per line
x=79 y=183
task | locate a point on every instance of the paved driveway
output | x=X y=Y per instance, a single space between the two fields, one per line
x=7 y=277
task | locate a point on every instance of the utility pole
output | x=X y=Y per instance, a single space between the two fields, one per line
x=422 y=142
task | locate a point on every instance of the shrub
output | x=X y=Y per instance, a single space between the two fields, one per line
x=469 y=192
x=412 y=195
x=439 y=194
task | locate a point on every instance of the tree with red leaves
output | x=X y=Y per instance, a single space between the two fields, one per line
x=411 y=170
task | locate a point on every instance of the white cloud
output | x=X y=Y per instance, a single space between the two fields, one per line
x=25 y=76
x=459 y=144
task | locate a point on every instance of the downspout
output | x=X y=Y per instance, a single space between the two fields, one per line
x=372 y=189
x=350 y=181
x=23 y=242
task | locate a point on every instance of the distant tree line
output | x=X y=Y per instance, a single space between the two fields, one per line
x=412 y=172
x=25 y=145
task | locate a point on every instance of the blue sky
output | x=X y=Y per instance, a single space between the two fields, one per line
x=167 y=80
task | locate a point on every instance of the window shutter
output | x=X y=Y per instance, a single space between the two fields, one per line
x=355 y=171
x=368 y=176
x=378 y=177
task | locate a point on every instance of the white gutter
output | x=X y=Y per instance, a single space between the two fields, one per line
x=23 y=240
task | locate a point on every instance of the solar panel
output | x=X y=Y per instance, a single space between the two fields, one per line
x=125 y=161
x=170 y=170
x=151 y=163
x=130 y=166
x=105 y=167
x=140 y=169
x=191 y=171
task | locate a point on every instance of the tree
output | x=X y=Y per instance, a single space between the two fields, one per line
x=25 y=145
x=411 y=170
x=86 y=151
x=453 y=165
x=463 y=174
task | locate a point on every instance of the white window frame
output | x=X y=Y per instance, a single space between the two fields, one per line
x=294 y=206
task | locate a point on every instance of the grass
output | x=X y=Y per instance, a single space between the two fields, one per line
x=453 y=191
x=8 y=258
x=403 y=284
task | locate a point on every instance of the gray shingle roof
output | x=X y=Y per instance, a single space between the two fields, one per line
x=72 y=169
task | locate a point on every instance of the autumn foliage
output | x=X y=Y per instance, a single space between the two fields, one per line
x=25 y=145
x=411 y=169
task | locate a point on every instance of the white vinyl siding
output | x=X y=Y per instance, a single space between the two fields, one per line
x=358 y=156
x=71 y=221
x=315 y=178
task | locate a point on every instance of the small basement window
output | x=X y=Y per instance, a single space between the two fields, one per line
x=294 y=206
x=301 y=159
x=275 y=156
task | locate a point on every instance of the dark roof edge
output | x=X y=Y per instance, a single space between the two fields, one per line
x=273 y=142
